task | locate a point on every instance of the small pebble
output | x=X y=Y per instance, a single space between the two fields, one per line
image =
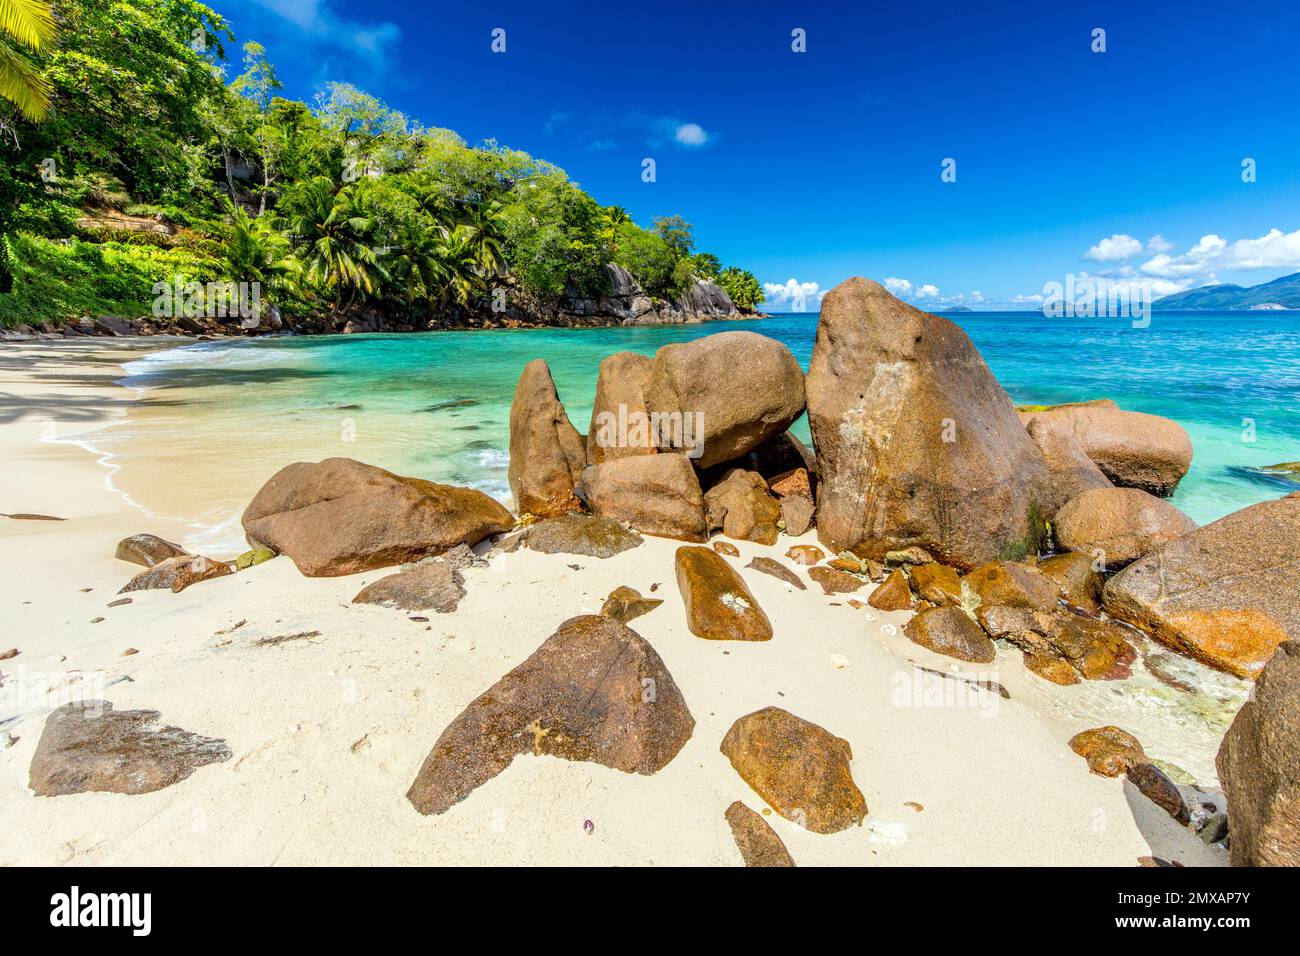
x=129 y=651
x=119 y=602
x=588 y=827
x=11 y=653
x=418 y=620
x=96 y=620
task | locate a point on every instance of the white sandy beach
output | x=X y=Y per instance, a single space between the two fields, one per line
x=328 y=731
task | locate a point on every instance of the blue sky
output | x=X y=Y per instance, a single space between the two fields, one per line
x=809 y=167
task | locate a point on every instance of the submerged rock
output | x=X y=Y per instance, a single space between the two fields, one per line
x=799 y=768
x=88 y=746
x=1108 y=750
x=595 y=690
x=755 y=839
x=1225 y=594
x=340 y=516
x=719 y=605
x=547 y=454
x=656 y=494
x=147 y=550
x=916 y=443
x=1160 y=790
x=1259 y=767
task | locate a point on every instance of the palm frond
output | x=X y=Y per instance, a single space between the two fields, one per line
x=21 y=83
x=30 y=22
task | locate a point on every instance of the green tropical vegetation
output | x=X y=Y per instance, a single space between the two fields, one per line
x=132 y=152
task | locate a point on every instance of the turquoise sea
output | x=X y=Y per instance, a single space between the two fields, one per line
x=437 y=404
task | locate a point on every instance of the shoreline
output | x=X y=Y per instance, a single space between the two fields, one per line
x=333 y=727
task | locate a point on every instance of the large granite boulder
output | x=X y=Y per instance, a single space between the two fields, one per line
x=340 y=516
x=88 y=746
x=798 y=767
x=1259 y=767
x=547 y=454
x=1118 y=525
x=656 y=494
x=620 y=421
x=1225 y=593
x=742 y=508
x=915 y=441
x=1132 y=449
x=719 y=605
x=595 y=690
x=1070 y=471
x=730 y=392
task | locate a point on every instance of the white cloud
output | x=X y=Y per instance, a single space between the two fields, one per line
x=791 y=295
x=927 y=294
x=902 y=288
x=691 y=134
x=928 y=291
x=1273 y=250
x=1158 y=244
x=318 y=19
x=1115 y=249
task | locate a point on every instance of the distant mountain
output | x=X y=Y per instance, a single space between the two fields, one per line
x=956 y=308
x=1284 y=292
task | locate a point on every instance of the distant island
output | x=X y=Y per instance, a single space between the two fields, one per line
x=1283 y=293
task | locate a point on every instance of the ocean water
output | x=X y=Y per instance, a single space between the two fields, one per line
x=436 y=405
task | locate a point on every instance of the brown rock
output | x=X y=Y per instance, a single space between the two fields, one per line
x=656 y=494
x=1108 y=750
x=1259 y=767
x=1099 y=650
x=1224 y=594
x=798 y=514
x=949 y=631
x=1013 y=584
x=547 y=454
x=834 y=581
x=587 y=535
x=916 y=442
x=777 y=570
x=893 y=595
x=742 y=387
x=595 y=690
x=340 y=516
x=625 y=604
x=620 y=421
x=741 y=506
x=799 y=768
x=805 y=554
x=794 y=483
x=147 y=550
x=177 y=573
x=1160 y=790
x=757 y=842
x=1054 y=669
x=88 y=746
x=9 y=654
x=719 y=606
x=937 y=583
x=1132 y=449
x=1118 y=525
x=430 y=585
x=1077 y=579
x=726 y=548
x=1070 y=471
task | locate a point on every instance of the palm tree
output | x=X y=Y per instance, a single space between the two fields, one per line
x=416 y=265
x=460 y=261
x=332 y=232
x=25 y=24
x=615 y=216
x=485 y=225
x=254 y=252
